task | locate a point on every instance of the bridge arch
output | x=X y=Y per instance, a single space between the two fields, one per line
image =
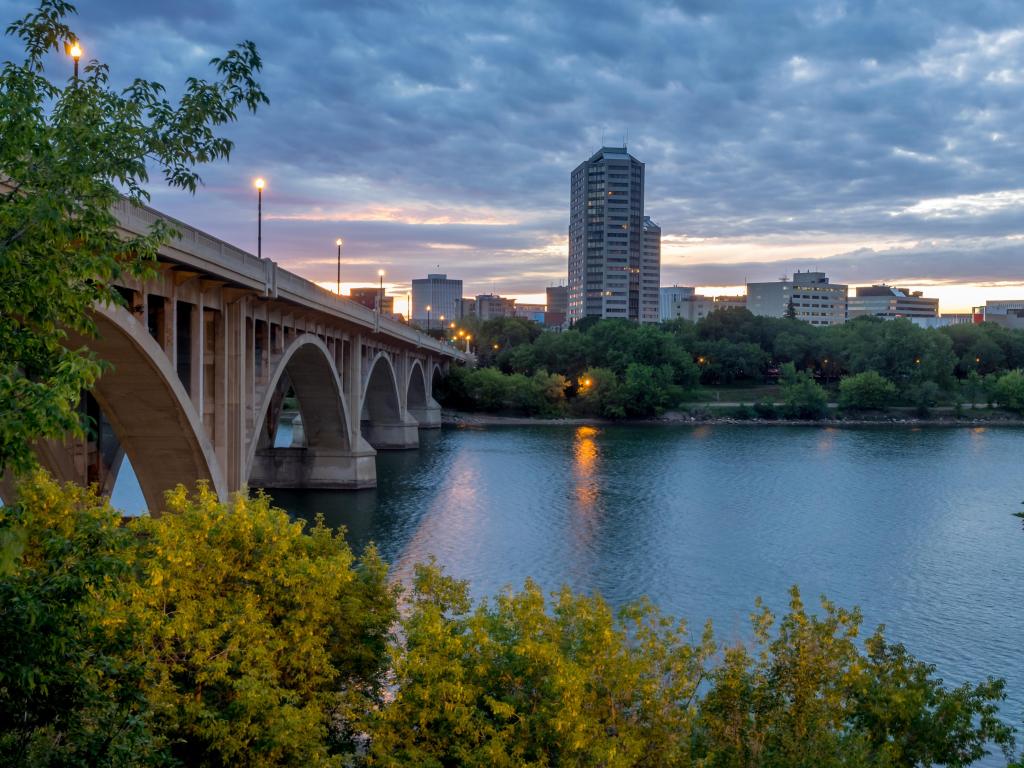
x=416 y=394
x=311 y=373
x=384 y=420
x=149 y=410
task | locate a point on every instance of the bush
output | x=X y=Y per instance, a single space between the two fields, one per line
x=1009 y=391
x=527 y=681
x=766 y=409
x=867 y=391
x=743 y=412
x=804 y=398
x=923 y=397
x=216 y=634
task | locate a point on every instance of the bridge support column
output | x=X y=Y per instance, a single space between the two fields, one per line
x=428 y=417
x=313 y=468
x=392 y=435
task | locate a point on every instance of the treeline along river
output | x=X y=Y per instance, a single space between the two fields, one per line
x=914 y=525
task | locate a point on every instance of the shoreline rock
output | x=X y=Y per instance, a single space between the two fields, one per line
x=464 y=419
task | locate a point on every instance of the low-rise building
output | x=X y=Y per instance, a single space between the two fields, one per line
x=888 y=302
x=533 y=312
x=680 y=302
x=809 y=296
x=489 y=305
x=557 y=306
x=369 y=297
x=1008 y=313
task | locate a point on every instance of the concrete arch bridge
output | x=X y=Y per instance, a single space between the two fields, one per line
x=220 y=348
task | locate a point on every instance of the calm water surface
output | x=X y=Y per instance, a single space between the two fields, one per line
x=912 y=525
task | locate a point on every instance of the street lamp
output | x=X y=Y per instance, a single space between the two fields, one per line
x=75 y=52
x=380 y=293
x=259 y=184
x=469 y=336
x=339 y=242
x=428 y=318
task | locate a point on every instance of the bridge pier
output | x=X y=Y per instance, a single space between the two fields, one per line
x=313 y=468
x=427 y=416
x=392 y=435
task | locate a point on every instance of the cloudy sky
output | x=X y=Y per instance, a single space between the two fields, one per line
x=875 y=140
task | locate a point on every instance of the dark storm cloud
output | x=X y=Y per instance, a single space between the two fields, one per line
x=756 y=119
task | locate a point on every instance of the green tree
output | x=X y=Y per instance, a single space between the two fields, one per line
x=67 y=155
x=69 y=685
x=522 y=681
x=804 y=398
x=866 y=391
x=262 y=644
x=600 y=393
x=1009 y=391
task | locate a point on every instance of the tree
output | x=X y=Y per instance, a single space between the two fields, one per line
x=866 y=391
x=70 y=689
x=804 y=398
x=262 y=644
x=1009 y=391
x=68 y=153
x=599 y=393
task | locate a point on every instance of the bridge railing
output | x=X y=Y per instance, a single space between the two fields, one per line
x=226 y=261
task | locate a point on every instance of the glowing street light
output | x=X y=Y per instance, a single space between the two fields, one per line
x=339 y=242
x=259 y=184
x=428 y=318
x=75 y=52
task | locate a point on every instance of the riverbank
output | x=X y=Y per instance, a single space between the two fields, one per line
x=704 y=416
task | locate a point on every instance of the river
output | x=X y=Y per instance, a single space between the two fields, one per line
x=913 y=525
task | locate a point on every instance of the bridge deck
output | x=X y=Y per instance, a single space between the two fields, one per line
x=220 y=260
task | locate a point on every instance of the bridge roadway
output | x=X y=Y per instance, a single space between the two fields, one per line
x=204 y=357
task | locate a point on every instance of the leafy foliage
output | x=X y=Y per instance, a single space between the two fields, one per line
x=802 y=396
x=866 y=391
x=225 y=634
x=1009 y=391
x=67 y=155
x=69 y=683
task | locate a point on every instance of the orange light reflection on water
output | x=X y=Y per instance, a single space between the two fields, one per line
x=586 y=466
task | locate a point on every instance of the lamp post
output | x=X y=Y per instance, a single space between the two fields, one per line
x=75 y=51
x=259 y=184
x=339 y=242
x=469 y=336
x=380 y=291
x=428 y=318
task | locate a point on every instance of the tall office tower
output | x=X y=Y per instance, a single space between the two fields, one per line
x=650 y=273
x=443 y=296
x=606 y=240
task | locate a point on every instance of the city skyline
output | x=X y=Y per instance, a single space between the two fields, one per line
x=878 y=145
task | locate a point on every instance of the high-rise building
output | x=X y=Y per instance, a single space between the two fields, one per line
x=443 y=296
x=888 y=302
x=607 y=268
x=809 y=296
x=650 y=272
